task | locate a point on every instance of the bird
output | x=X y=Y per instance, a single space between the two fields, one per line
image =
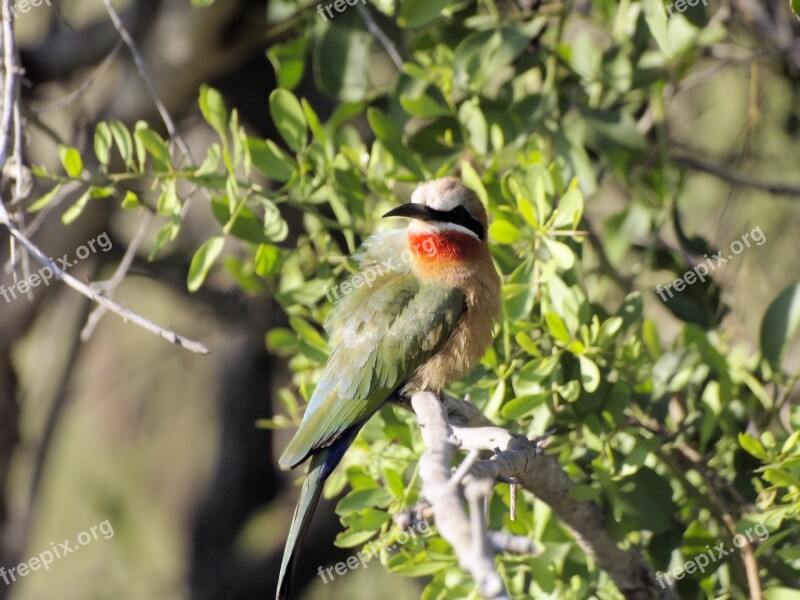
x=425 y=319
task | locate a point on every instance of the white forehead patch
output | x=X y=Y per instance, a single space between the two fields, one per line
x=427 y=194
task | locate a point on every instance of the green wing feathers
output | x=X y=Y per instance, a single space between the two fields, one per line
x=380 y=334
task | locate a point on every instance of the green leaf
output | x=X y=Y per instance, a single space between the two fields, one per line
x=122 y=137
x=308 y=334
x=71 y=161
x=423 y=106
x=289 y=61
x=474 y=123
x=420 y=569
x=390 y=136
x=268 y=158
x=351 y=539
x=570 y=209
x=473 y=181
x=646 y=499
x=282 y=341
x=166 y=233
x=275 y=227
x=247 y=226
x=213 y=108
x=504 y=232
x=203 y=260
x=590 y=374
x=168 y=200
x=155 y=145
x=780 y=324
x=584 y=492
x=341 y=63
x=74 y=211
x=314 y=124
x=782 y=593
x=102 y=142
x=531 y=377
x=46 y=199
x=418 y=13
x=131 y=201
x=752 y=446
x=518 y=300
x=557 y=328
x=561 y=254
x=795 y=4
x=358 y=500
x=522 y=406
x=287 y=114
x=268 y=260
x=368 y=519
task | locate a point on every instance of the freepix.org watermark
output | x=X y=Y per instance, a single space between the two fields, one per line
x=680 y=6
x=710 y=264
x=339 y=5
x=23 y=7
x=701 y=561
x=56 y=552
x=45 y=274
x=369 y=275
x=371 y=551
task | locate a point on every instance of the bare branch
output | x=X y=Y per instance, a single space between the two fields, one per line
x=521 y=460
x=10 y=82
x=467 y=540
x=387 y=44
x=82 y=288
x=735 y=178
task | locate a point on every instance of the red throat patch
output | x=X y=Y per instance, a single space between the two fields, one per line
x=441 y=247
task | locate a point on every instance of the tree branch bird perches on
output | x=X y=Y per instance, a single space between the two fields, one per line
x=418 y=327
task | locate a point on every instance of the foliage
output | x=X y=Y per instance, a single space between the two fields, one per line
x=536 y=110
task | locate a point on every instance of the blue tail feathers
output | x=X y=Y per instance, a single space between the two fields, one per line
x=323 y=462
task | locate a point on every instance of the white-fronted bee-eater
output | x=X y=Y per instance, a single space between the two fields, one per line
x=425 y=319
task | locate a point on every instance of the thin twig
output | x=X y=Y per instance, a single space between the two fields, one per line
x=464 y=468
x=141 y=66
x=512 y=502
x=126 y=314
x=75 y=94
x=735 y=178
x=387 y=44
x=111 y=285
x=787 y=391
x=10 y=82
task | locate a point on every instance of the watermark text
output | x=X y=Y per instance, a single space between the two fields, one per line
x=371 y=274
x=371 y=551
x=701 y=270
x=45 y=274
x=46 y=558
x=703 y=560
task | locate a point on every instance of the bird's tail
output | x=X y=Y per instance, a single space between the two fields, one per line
x=323 y=462
x=318 y=472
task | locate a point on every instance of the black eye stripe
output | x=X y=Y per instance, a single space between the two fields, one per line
x=459 y=216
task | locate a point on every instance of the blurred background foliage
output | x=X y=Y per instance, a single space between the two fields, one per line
x=615 y=146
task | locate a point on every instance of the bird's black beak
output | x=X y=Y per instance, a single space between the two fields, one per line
x=411 y=210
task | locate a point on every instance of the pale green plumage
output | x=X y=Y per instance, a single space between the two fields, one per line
x=379 y=335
